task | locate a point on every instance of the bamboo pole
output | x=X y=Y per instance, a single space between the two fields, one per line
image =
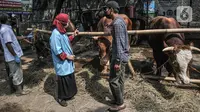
x=131 y=68
x=43 y=31
x=160 y=31
x=134 y=32
x=197 y=81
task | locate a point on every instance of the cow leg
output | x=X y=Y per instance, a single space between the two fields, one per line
x=105 y=70
x=167 y=65
x=103 y=57
x=158 y=60
x=169 y=69
x=106 y=64
x=102 y=48
x=133 y=39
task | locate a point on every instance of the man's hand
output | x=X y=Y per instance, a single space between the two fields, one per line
x=71 y=57
x=76 y=32
x=117 y=67
x=17 y=59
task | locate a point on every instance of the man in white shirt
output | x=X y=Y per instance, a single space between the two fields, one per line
x=12 y=54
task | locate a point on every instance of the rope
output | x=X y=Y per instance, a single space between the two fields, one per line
x=156 y=69
x=194 y=69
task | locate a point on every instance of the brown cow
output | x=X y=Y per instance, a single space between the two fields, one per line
x=170 y=46
x=105 y=42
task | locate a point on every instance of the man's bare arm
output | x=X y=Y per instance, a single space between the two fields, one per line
x=10 y=48
x=24 y=39
x=20 y=37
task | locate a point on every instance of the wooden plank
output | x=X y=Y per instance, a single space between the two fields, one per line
x=196 y=81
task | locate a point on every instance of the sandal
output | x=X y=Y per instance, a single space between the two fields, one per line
x=116 y=108
x=62 y=102
x=21 y=93
x=112 y=102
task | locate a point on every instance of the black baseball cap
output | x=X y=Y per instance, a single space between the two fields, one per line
x=113 y=4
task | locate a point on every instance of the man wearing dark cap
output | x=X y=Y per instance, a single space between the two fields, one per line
x=12 y=55
x=120 y=49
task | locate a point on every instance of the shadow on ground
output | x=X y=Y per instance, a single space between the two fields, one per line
x=33 y=72
x=96 y=86
x=12 y=107
x=50 y=85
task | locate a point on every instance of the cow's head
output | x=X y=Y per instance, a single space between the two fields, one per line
x=180 y=57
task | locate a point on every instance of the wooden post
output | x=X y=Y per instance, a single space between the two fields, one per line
x=34 y=30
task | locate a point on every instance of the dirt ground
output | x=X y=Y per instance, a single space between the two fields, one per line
x=141 y=95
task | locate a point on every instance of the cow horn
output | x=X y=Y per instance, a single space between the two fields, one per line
x=194 y=48
x=168 y=49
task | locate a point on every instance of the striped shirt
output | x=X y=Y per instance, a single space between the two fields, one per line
x=120 y=45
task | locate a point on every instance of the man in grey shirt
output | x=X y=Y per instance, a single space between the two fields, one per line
x=120 y=52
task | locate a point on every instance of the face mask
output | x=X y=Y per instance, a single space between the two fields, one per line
x=108 y=13
x=66 y=25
